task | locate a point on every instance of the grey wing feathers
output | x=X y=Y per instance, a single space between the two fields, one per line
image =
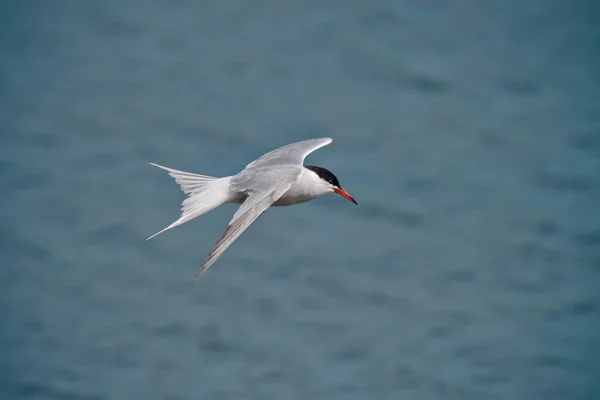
x=263 y=178
x=293 y=153
x=247 y=214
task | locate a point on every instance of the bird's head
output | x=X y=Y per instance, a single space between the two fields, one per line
x=330 y=182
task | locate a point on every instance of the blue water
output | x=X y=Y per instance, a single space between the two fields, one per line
x=469 y=133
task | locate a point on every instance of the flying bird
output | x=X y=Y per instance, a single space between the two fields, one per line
x=278 y=178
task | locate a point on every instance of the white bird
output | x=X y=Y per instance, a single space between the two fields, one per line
x=278 y=178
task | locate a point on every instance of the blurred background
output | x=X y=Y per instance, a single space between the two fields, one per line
x=468 y=131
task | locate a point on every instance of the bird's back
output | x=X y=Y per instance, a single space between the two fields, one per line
x=260 y=178
x=283 y=163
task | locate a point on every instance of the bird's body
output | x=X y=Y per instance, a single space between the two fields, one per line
x=278 y=178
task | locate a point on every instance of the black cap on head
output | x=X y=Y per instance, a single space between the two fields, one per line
x=327 y=176
x=324 y=174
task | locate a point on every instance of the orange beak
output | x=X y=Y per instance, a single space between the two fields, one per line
x=345 y=195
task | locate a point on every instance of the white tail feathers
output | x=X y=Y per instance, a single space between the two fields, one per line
x=205 y=193
x=188 y=182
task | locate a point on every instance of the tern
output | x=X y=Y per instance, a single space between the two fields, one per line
x=277 y=178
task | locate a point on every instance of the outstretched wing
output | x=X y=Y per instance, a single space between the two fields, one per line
x=255 y=204
x=293 y=153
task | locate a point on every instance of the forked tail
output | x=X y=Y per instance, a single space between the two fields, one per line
x=204 y=193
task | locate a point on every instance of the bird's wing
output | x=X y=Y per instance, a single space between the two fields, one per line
x=255 y=204
x=293 y=153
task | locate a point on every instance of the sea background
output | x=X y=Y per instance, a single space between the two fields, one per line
x=468 y=131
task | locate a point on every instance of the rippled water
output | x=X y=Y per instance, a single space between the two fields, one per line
x=469 y=133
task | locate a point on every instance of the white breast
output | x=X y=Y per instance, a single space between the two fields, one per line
x=309 y=186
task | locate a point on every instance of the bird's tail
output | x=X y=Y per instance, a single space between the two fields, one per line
x=205 y=193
